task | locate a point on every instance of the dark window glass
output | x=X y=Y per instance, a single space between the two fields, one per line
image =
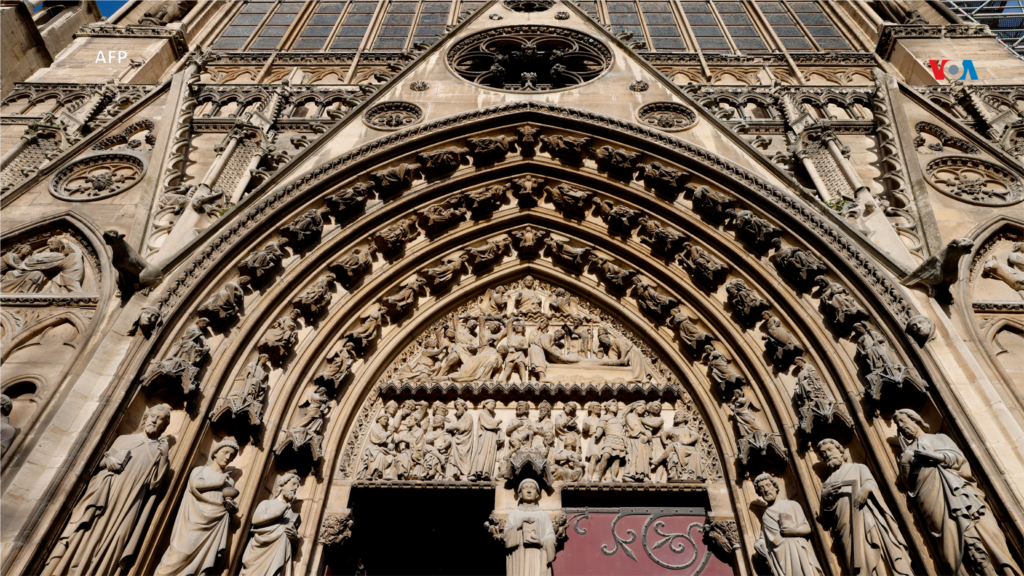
x=668 y=43
x=814 y=19
x=244 y=31
x=437 y=7
x=655 y=7
x=317 y=31
x=289 y=9
x=822 y=31
x=256 y=8
x=658 y=18
x=796 y=43
x=663 y=30
x=740 y=19
x=767 y=7
x=230 y=43
x=347 y=43
x=428 y=31
x=265 y=43
x=707 y=31
x=749 y=44
x=275 y=31
x=637 y=31
x=441 y=18
x=354 y=19
x=695 y=7
x=323 y=20
x=331 y=8
x=389 y=44
x=620 y=7
x=352 y=31
x=713 y=43
x=729 y=6
x=779 y=19
x=394 y=31
x=398 y=19
x=830 y=43
x=742 y=31
x=363 y=8
x=247 y=20
x=310 y=43
x=624 y=18
x=788 y=31
x=701 y=19
x=804 y=7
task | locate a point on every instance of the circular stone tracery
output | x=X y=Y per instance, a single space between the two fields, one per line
x=667 y=116
x=393 y=115
x=974 y=181
x=528 y=5
x=529 y=58
x=96 y=177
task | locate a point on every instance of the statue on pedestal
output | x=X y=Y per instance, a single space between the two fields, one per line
x=529 y=535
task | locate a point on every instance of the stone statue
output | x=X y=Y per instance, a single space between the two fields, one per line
x=618 y=161
x=424 y=363
x=742 y=414
x=349 y=198
x=655 y=425
x=529 y=241
x=462 y=431
x=391 y=180
x=249 y=396
x=443 y=215
x=838 y=301
x=529 y=300
x=306 y=227
x=378 y=457
x=400 y=301
x=262 y=262
x=701 y=265
x=150 y=318
x=638 y=443
x=305 y=431
x=718 y=363
x=520 y=430
x=394 y=238
x=515 y=348
x=450 y=266
x=133 y=271
x=491 y=148
x=714 y=204
x=650 y=300
x=183 y=362
x=58 y=268
x=488 y=253
x=1012 y=273
x=784 y=532
x=939 y=480
x=681 y=459
x=567 y=147
x=627 y=354
x=487 y=199
x=340 y=366
x=563 y=302
x=569 y=198
x=274 y=528
x=611 y=432
x=355 y=263
x=813 y=399
x=865 y=530
x=164 y=13
x=317 y=298
x=529 y=535
x=526 y=190
x=282 y=335
x=663 y=238
x=618 y=277
x=781 y=345
x=7 y=432
x=112 y=517
x=366 y=331
x=798 y=265
x=883 y=367
x=224 y=304
x=758 y=230
x=489 y=438
x=618 y=217
x=588 y=429
x=442 y=160
x=201 y=529
x=694 y=338
x=561 y=249
x=664 y=179
x=745 y=302
x=940 y=270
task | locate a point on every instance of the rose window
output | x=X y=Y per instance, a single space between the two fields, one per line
x=529 y=58
x=975 y=181
x=97 y=177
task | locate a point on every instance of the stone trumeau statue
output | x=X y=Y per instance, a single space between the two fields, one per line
x=784 y=532
x=110 y=521
x=865 y=530
x=529 y=535
x=274 y=529
x=940 y=483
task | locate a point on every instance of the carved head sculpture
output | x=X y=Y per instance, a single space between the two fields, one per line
x=920 y=328
x=543 y=325
x=543 y=410
x=5 y=405
x=909 y=423
x=613 y=407
x=408 y=406
x=1018 y=247
x=383 y=419
x=654 y=408
x=155 y=420
x=528 y=491
x=224 y=452
x=570 y=409
x=549 y=438
x=391 y=408
x=472 y=325
x=460 y=407
x=603 y=336
x=286 y=486
x=519 y=327
x=522 y=409
x=22 y=251
x=571 y=442
x=767 y=488
x=558 y=335
x=679 y=418
x=593 y=408
x=488 y=405
x=430 y=342
x=860 y=328
x=437 y=422
x=832 y=453
x=528 y=282
x=150 y=318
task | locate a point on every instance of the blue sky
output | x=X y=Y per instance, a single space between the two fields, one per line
x=108 y=7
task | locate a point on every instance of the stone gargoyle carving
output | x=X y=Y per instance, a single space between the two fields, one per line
x=260 y=264
x=491 y=148
x=527 y=190
x=182 y=363
x=567 y=148
x=939 y=271
x=317 y=297
x=663 y=179
x=664 y=239
x=133 y=271
x=570 y=199
x=349 y=200
x=618 y=162
x=393 y=239
x=354 y=264
x=437 y=162
x=250 y=392
x=746 y=303
x=798 y=265
x=395 y=179
x=618 y=278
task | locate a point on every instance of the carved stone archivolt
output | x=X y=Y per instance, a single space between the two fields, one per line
x=529 y=58
x=393 y=115
x=974 y=181
x=667 y=116
x=98 y=176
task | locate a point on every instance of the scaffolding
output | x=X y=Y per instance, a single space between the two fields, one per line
x=1005 y=19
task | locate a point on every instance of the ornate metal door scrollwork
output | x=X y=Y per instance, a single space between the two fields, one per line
x=654 y=536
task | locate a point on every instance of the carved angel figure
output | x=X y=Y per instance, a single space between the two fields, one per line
x=317 y=297
x=618 y=217
x=450 y=266
x=650 y=300
x=394 y=237
x=305 y=227
x=613 y=274
x=663 y=178
x=719 y=368
x=525 y=190
x=567 y=147
x=406 y=295
x=443 y=160
x=779 y=342
x=839 y=302
x=744 y=301
x=798 y=265
x=250 y=391
x=619 y=161
x=741 y=408
x=340 y=365
x=356 y=262
x=694 y=337
x=530 y=241
x=281 y=336
x=758 y=229
x=712 y=203
x=443 y=214
x=487 y=199
x=666 y=239
x=569 y=198
x=260 y=262
x=699 y=263
x=306 y=429
x=563 y=250
x=493 y=302
x=366 y=331
x=488 y=253
x=491 y=148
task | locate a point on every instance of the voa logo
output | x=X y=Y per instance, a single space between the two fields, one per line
x=943 y=70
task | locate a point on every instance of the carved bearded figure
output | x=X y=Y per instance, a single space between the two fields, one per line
x=274 y=528
x=866 y=530
x=784 y=532
x=201 y=529
x=529 y=535
x=489 y=438
x=109 y=522
x=462 y=430
x=59 y=268
x=939 y=480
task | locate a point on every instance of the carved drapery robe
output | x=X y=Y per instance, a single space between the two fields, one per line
x=110 y=521
x=488 y=438
x=377 y=459
x=787 y=556
x=269 y=553
x=681 y=454
x=950 y=503
x=529 y=301
x=460 y=462
x=882 y=543
x=629 y=355
x=201 y=529
x=529 y=542
x=47 y=272
x=480 y=366
x=638 y=443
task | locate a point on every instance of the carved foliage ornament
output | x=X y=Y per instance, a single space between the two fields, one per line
x=393 y=115
x=974 y=181
x=529 y=58
x=96 y=177
x=667 y=116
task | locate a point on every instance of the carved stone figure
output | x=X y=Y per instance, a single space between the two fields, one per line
x=527 y=190
x=568 y=148
x=618 y=217
x=842 y=307
x=664 y=179
x=354 y=264
x=865 y=530
x=133 y=271
x=366 y=331
x=718 y=363
x=306 y=430
x=224 y=305
x=619 y=278
x=463 y=431
x=336 y=528
x=746 y=303
x=570 y=199
x=939 y=480
x=317 y=298
x=702 y=266
x=491 y=148
x=163 y=13
x=441 y=161
x=7 y=432
x=627 y=354
x=529 y=535
x=758 y=231
x=109 y=522
x=520 y=430
x=274 y=530
x=939 y=271
x=340 y=364
x=666 y=239
x=1012 y=273
x=920 y=328
x=620 y=162
x=799 y=266
x=424 y=363
x=149 y=320
x=250 y=392
x=694 y=338
x=638 y=443
x=714 y=204
x=443 y=215
x=394 y=179
x=489 y=253
x=814 y=402
x=612 y=435
x=305 y=228
x=529 y=242
x=650 y=300
x=563 y=302
x=515 y=349
x=398 y=303
x=740 y=408
x=489 y=438
x=378 y=457
x=528 y=136
x=281 y=337
x=784 y=533
x=529 y=300
x=723 y=535
x=884 y=369
x=262 y=262
x=201 y=529
x=681 y=458
x=182 y=364
x=561 y=249
x=781 y=345
x=486 y=200
x=394 y=238
x=349 y=199
x=58 y=268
